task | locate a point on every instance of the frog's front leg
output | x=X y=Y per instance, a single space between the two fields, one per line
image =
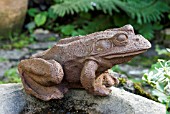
x=42 y=78
x=92 y=83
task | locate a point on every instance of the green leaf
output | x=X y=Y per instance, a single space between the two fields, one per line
x=51 y=14
x=32 y=12
x=81 y=32
x=12 y=71
x=67 y=30
x=145 y=77
x=161 y=51
x=169 y=16
x=75 y=33
x=40 y=18
x=167 y=112
x=12 y=75
x=116 y=68
x=161 y=96
x=160 y=86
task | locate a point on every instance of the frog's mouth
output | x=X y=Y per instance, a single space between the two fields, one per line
x=111 y=56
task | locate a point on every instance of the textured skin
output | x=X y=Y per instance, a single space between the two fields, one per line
x=79 y=62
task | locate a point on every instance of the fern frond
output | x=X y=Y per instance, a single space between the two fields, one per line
x=76 y=6
x=107 y=6
x=147 y=29
x=143 y=10
x=72 y=6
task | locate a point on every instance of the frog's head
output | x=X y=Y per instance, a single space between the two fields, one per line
x=120 y=42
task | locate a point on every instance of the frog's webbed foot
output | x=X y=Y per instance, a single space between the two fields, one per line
x=104 y=81
x=96 y=85
x=41 y=78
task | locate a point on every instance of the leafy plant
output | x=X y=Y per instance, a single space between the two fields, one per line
x=67 y=29
x=163 y=51
x=32 y=12
x=2 y=59
x=140 y=9
x=159 y=78
x=147 y=29
x=18 y=41
x=40 y=18
x=116 y=68
x=12 y=76
x=85 y=24
x=144 y=15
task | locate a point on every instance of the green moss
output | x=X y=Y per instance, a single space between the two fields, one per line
x=140 y=91
x=122 y=81
x=52 y=39
x=167 y=37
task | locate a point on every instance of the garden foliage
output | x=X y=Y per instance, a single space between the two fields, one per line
x=159 y=78
x=143 y=10
x=87 y=16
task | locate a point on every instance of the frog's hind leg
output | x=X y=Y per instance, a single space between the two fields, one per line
x=42 y=78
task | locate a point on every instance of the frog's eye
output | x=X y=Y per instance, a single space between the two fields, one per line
x=120 y=39
x=102 y=45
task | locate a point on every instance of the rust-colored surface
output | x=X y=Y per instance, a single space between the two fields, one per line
x=80 y=62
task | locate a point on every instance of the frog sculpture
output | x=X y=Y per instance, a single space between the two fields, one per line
x=80 y=62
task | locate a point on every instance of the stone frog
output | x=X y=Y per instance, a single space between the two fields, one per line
x=80 y=62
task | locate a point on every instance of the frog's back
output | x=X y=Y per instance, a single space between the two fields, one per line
x=75 y=48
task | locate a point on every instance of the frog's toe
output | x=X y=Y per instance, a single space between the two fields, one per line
x=102 y=83
x=107 y=79
x=101 y=90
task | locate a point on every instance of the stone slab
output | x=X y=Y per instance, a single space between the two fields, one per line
x=13 y=100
